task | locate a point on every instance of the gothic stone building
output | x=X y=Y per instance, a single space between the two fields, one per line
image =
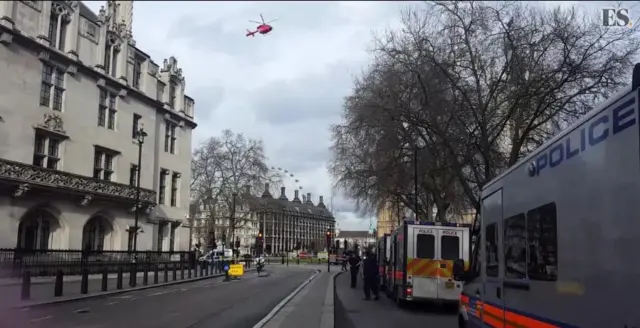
x=75 y=89
x=292 y=225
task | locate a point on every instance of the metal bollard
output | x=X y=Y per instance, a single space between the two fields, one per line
x=155 y=274
x=298 y=260
x=25 y=292
x=175 y=271
x=145 y=275
x=57 y=292
x=287 y=260
x=105 y=279
x=119 y=278
x=181 y=270
x=133 y=275
x=166 y=272
x=189 y=272
x=282 y=260
x=84 y=283
x=201 y=271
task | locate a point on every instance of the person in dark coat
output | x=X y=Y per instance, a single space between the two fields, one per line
x=370 y=273
x=354 y=266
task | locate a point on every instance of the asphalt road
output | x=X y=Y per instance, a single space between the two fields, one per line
x=352 y=311
x=207 y=303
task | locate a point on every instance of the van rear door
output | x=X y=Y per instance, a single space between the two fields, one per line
x=422 y=268
x=451 y=242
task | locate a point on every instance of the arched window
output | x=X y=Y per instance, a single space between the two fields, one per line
x=35 y=231
x=94 y=233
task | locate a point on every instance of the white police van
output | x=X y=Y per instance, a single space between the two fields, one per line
x=560 y=230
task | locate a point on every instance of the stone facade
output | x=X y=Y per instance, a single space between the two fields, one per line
x=75 y=92
x=291 y=225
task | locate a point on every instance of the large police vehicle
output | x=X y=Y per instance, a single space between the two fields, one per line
x=560 y=230
x=421 y=261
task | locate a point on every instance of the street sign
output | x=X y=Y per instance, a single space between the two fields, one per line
x=236 y=270
x=226 y=267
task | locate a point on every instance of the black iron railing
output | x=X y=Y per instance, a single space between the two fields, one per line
x=42 y=263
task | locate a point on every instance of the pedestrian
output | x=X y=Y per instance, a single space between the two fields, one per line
x=354 y=266
x=370 y=273
x=345 y=258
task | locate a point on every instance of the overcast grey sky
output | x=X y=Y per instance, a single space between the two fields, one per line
x=285 y=88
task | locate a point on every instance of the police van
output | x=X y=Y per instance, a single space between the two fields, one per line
x=421 y=261
x=383 y=247
x=560 y=230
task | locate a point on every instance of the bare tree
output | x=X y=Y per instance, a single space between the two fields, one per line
x=224 y=166
x=477 y=86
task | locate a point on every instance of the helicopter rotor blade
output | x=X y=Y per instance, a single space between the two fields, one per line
x=271 y=21
x=262 y=19
x=255 y=22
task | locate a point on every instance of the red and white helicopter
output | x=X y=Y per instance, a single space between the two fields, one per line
x=263 y=28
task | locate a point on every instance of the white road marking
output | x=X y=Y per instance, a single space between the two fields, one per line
x=156 y=294
x=25 y=309
x=112 y=303
x=43 y=318
x=85 y=310
x=135 y=298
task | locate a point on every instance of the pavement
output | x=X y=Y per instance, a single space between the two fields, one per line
x=311 y=307
x=42 y=289
x=352 y=311
x=205 y=303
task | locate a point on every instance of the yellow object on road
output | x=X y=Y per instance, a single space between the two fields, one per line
x=236 y=270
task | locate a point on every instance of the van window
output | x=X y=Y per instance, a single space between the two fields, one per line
x=515 y=247
x=491 y=250
x=449 y=247
x=542 y=237
x=425 y=246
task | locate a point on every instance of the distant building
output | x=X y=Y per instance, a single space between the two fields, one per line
x=75 y=90
x=389 y=217
x=362 y=238
x=291 y=225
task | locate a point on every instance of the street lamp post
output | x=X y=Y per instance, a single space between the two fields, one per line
x=140 y=135
x=224 y=262
x=415 y=178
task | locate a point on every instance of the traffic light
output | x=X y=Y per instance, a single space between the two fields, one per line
x=328 y=239
x=237 y=242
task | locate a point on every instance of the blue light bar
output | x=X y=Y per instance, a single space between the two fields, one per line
x=443 y=224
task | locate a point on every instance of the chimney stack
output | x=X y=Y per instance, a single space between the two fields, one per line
x=296 y=199
x=304 y=198
x=308 y=199
x=321 y=202
x=266 y=193
x=283 y=195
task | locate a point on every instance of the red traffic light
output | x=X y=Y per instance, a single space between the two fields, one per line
x=259 y=234
x=328 y=233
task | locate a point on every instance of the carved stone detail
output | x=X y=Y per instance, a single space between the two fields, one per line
x=86 y=200
x=72 y=69
x=21 y=190
x=171 y=66
x=34 y=176
x=52 y=122
x=43 y=55
x=6 y=38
